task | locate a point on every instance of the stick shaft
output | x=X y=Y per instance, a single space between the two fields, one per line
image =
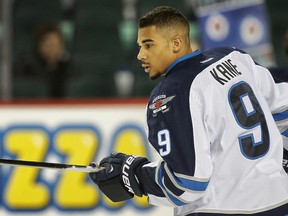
x=45 y=165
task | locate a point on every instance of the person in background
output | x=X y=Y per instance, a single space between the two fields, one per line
x=50 y=63
x=210 y=119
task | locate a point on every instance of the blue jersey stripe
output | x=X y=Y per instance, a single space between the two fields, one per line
x=192 y=184
x=189 y=183
x=280 y=116
x=190 y=55
x=285 y=133
x=171 y=196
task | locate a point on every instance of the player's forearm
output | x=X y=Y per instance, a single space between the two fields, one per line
x=164 y=188
x=146 y=177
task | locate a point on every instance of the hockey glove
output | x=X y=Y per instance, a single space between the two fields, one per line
x=118 y=180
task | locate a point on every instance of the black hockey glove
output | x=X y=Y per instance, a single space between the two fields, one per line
x=118 y=180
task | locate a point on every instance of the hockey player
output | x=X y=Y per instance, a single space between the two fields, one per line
x=210 y=120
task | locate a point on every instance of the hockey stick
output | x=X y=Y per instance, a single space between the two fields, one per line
x=45 y=165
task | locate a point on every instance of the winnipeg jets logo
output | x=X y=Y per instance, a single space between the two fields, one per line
x=160 y=104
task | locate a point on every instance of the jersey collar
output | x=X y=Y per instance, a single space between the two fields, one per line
x=190 y=55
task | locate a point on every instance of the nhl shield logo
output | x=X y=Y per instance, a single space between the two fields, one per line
x=160 y=104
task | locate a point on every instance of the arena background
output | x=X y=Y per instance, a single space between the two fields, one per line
x=104 y=109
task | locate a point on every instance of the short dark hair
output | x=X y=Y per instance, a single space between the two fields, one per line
x=163 y=16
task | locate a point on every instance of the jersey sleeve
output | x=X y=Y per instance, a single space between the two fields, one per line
x=179 y=136
x=279 y=74
x=275 y=92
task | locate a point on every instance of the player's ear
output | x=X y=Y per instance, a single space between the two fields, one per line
x=177 y=43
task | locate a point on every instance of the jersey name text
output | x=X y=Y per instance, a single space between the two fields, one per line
x=224 y=71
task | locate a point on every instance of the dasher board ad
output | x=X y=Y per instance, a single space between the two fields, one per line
x=70 y=134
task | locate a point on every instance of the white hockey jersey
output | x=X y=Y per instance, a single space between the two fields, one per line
x=212 y=120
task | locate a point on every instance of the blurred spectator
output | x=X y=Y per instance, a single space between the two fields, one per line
x=49 y=63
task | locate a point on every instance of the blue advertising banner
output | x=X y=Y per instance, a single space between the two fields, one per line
x=243 y=24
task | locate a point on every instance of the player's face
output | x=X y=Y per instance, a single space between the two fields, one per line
x=155 y=51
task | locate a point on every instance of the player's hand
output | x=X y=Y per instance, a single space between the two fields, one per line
x=117 y=180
